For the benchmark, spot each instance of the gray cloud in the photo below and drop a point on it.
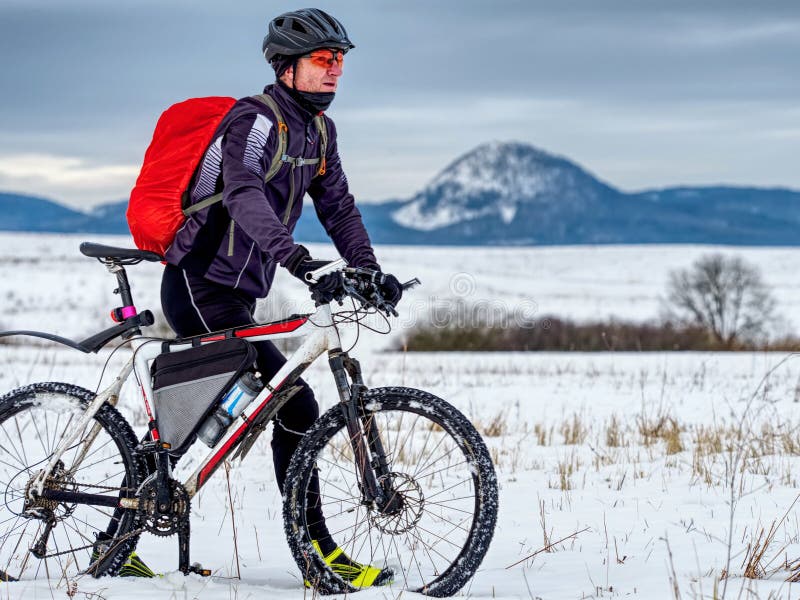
(643, 93)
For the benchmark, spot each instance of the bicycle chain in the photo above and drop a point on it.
(117, 542)
(105, 487)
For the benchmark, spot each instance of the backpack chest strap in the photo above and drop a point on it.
(299, 161)
(280, 155)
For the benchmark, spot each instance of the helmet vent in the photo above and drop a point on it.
(279, 22)
(330, 21)
(298, 26)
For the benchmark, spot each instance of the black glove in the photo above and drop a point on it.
(299, 264)
(391, 289)
(327, 288)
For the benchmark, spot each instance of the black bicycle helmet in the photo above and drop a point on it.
(301, 31)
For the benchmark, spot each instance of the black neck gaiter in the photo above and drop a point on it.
(313, 102)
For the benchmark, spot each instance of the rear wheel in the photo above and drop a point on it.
(435, 538)
(41, 538)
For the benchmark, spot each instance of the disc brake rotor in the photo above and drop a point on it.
(412, 506)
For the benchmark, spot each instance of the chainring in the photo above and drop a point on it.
(163, 523)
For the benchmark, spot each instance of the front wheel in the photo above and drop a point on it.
(42, 538)
(435, 538)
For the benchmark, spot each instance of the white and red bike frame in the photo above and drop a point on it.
(321, 335)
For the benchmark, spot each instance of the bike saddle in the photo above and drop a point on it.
(109, 252)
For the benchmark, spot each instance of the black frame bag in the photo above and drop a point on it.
(188, 385)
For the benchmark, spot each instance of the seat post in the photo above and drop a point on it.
(123, 289)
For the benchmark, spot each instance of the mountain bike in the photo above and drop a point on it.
(404, 480)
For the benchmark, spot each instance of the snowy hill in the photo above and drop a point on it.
(513, 193)
(502, 181)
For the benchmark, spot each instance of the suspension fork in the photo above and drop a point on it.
(365, 440)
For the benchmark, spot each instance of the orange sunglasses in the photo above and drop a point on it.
(325, 58)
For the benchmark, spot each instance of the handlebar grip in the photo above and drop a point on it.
(324, 269)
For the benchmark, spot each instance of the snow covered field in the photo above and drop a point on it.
(624, 475)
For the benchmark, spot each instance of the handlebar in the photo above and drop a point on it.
(364, 285)
(360, 284)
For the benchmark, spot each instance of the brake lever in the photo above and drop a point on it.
(351, 291)
(375, 299)
(411, 283)
(385, 307)
(389, 309)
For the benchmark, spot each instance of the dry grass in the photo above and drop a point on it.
(574, 430)
(495, 427)
(543, 434)
(615, 435)
(672, 437)
(565, 469)
(753, 563)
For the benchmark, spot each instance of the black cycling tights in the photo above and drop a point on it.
(194, 306)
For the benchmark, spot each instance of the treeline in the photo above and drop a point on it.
(556, 334)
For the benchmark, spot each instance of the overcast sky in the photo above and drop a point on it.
(641, 93)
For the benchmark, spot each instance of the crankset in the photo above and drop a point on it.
(156, 518)
(168, 518)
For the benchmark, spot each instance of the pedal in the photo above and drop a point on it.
(198, 569)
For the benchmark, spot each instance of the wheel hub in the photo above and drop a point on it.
(36, 507)
(405, 513)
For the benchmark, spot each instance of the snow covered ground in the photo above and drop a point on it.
(624, 475)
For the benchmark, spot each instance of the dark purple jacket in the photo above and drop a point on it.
(238, 242)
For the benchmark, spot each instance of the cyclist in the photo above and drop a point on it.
(224, 257)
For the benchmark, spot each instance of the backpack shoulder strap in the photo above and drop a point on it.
(283, 131)
(274, 166)
(319, 121)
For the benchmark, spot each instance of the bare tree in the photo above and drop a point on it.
(723, 294)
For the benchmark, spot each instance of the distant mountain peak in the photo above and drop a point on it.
(493, 180)
(497, 166)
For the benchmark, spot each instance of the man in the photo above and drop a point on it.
(225, 255)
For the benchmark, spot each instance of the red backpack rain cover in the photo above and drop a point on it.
(182, 135)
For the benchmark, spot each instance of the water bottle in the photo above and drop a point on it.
(243, 392)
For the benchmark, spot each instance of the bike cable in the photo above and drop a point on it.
(114, 351)
(358, 316)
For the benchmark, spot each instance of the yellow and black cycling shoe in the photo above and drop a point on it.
(134, 567)
(354, 573)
